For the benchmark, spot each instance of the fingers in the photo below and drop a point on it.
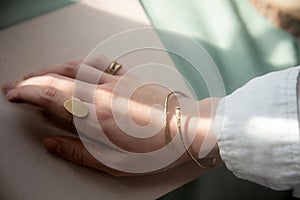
(74, 70)
(80, 89)
(52, 80)
(92, 75)
(91, 71)
(47, 97)
(72, 149)
(59, 82)
(51, 91)
(68, 69)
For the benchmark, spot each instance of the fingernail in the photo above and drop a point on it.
(52, 145)
(7, 86)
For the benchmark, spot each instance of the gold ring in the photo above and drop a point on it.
(113, 68)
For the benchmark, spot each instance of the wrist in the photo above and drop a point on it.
(196, 127)
(205, 143)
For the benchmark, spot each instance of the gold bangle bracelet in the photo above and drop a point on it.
(166, 121)
(178, 117)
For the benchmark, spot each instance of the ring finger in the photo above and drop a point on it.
(92, 70)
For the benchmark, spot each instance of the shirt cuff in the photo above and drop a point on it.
(258, 131)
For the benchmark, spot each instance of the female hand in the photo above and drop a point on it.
(133, 124)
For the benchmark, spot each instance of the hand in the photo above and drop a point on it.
(51, 87)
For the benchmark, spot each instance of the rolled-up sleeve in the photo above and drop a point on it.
(257, 127)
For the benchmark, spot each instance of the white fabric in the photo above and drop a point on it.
(259, 137)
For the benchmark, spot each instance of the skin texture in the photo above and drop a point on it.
(50, 87)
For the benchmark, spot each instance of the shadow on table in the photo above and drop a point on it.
(222, 184)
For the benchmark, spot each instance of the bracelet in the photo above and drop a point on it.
(166, 121)
(178, 117)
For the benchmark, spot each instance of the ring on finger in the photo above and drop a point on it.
(113, 68)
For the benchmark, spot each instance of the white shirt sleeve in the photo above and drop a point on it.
(257, 127)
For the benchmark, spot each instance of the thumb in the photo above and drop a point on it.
(72, 149)
(69, 148)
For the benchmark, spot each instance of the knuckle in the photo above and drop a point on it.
(49, 93)
(52, 79)
(71, 66)
(77, 154)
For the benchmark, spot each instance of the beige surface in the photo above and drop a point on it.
(27, 171)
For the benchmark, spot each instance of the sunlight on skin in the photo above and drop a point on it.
(56, 81)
